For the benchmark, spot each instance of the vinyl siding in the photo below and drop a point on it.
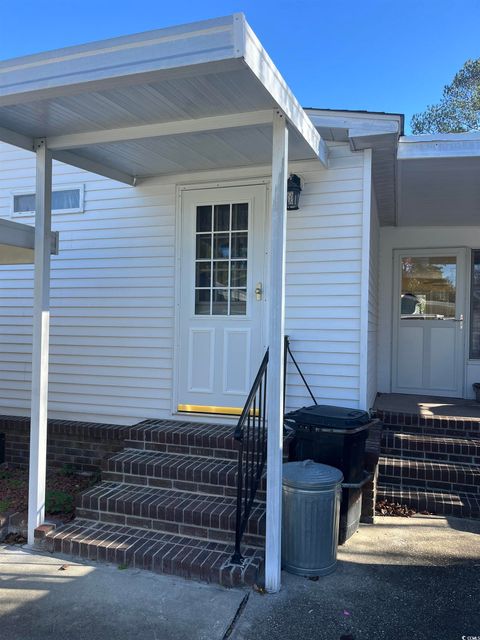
(113, 291)
(324, 251)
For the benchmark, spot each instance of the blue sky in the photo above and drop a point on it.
(377, 55)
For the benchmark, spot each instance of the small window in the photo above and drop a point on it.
(65, 200)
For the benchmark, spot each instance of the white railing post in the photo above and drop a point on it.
(276, 297)
(41, 322)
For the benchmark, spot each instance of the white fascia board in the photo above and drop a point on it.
(260, 63)
(114, 61)
(356, 126)
(16, 139)
(447, 145)
(73, 159)
(177, 127)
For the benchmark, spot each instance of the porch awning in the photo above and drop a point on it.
(187, 98)
(17, 243)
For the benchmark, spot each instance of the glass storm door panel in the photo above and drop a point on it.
(221, 333)
(429, 318)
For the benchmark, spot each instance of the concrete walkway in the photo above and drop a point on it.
(39, 601)
(405, 579)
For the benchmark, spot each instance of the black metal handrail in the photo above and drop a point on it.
(251, 433)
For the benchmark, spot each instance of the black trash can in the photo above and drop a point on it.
(335, 436)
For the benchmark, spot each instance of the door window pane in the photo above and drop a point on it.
(220, 302)
(203, 274)
(222, 217)
(220, 273)
(202, 302)
(428, 288)
(204, 246)
(240, 217)
(239, 273)
(238, 302)
(221, 259)
(239, 245)
(204, 218)
(221, 245)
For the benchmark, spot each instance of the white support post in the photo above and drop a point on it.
(41, 322)
(278, 234)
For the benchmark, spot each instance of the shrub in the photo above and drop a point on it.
(58, 502)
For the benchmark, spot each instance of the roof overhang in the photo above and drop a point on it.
(17, 243)
(366, 130)
(439, 180)
(187, 98)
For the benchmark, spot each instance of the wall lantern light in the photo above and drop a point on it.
(293, 192)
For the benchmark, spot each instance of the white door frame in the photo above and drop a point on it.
(462, 254)
(180, 190)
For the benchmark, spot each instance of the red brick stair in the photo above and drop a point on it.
(179, 512)
(431, 463)
(167, 503)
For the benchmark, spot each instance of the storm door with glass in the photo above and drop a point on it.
(221, 304)
(429, 310)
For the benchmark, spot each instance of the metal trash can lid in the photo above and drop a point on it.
(308, 474)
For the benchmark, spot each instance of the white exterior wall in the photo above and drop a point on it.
(113, 291)
(323, 291)
(392, 238)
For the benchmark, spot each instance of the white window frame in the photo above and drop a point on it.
(62, 187)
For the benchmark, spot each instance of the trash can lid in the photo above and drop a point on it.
(308, 474)
(326, 417)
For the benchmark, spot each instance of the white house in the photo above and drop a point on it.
(178, 264)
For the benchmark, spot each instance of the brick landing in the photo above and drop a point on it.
(167, 503)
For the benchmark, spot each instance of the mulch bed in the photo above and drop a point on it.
(62, 487)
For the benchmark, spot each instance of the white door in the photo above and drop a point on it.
(221, 329)
(429, 309)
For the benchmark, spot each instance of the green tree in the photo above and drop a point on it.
(459, 109)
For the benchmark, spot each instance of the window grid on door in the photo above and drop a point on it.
(221, 259)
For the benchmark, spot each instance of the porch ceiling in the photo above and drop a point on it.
(188, 98)
(439, 180)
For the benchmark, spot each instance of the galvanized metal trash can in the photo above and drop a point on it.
(311, 512)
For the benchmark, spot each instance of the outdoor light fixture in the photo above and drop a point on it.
(293, 192)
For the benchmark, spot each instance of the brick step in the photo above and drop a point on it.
(434, 476)
(156, 551)
(172, 471)
(437, 426)
(177, 512)
(430, 447)
(441, 503)
(187, 438)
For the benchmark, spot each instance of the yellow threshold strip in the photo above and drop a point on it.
(198, 408)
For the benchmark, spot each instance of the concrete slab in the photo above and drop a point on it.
(90, 601)
(403, 579)
(428, 406)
